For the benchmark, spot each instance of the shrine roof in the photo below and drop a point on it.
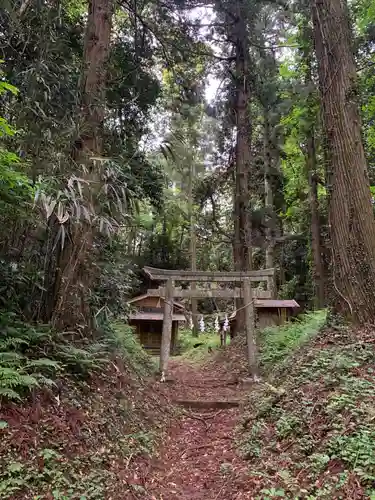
(139, 298)
(153, 316)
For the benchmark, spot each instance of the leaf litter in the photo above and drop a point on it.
(198, 458)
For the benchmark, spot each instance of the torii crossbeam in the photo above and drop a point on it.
(169, 292)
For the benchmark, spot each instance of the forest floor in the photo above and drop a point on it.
(307, 431)
(198, 458)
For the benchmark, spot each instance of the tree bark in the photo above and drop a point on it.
(193, 247)
(316, 248)
(242, 227)
(311, 175)
(268, 202)
(167, 327)
(351, 219)
(76, 270)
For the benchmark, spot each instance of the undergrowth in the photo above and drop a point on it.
(310, 432)
(277, 342)
(34, 356)
(73, 415)
(122, 340)
(24, 364)
(196, 349)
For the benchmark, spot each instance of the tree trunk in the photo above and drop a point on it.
(351, 218)
(268, 202)
(252, 357)
(193, 247)
(76, 270)
(316, 248)
(312, 175)
(242, 231)
(166, 337)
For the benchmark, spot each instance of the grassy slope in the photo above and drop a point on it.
(207, 343)
(75, 441)
(310, 433)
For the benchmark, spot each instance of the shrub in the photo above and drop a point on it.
(121, 339)
(23, 364)
(277, 343)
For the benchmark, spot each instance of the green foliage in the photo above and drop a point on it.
(23, 367)
(141, 201)
(15, 187)
(164, 246)
(319, 419)
(59, 481)
(122, 340)
(109, 418)
(42, 180)
(356, 451)
(82, 361)
(277, 343)
(117, 279)
(32, 357)
(272, 493)
(288, 425)
(206, 343)
(92, 402)
(61, 484)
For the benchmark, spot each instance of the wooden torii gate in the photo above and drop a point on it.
(170, 292)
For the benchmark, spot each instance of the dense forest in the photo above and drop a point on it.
(178, 134)
(183, 135)
(213, 136)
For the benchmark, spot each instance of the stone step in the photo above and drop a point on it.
(207, 404)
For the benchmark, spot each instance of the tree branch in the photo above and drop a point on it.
(163, 43)
(216, 222)
(23, 7)
(289, 237)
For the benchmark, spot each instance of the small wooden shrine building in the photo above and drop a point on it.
(269, 312)
(147, 317)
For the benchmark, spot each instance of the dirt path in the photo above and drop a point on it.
(198, 460)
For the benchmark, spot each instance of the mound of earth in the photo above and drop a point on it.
(310, 433)
(80, 442)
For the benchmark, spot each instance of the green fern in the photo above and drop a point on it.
(42, 363)
(12, 342)
(82, 360)
(31, 357)
(12, 378)
(9, 377)
(13, 383)
(18, 334)
(28, 382)
(43, 380)
(6, 392)
(21, 368)
(9, 358)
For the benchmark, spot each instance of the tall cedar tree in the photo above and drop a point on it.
(76, 275)
(312, 175)
(351, 218)
(242, 229)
